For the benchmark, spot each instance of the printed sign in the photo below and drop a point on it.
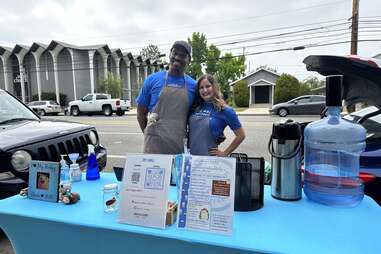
(207, 194)
(144, 193)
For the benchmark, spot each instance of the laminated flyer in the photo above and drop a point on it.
(144, 192)
(207, 194)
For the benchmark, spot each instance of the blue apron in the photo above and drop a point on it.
(166, 124)
(201, 139)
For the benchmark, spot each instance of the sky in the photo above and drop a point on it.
(263, 30)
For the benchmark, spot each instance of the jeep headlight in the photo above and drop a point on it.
(20, 160)
(93, 138)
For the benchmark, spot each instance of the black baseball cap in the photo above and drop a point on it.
(185, 45)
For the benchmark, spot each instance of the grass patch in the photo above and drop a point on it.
(239, 109)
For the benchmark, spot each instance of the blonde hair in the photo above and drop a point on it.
(217, 100)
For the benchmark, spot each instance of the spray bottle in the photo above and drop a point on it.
(65, 174)
(92, 172)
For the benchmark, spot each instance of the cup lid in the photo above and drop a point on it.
(110, 186)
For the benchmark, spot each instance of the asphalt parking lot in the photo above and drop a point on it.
(121, 135)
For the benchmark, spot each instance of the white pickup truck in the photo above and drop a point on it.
(98, 103)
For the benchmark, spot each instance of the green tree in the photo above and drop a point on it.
(241, 94)
(229, 68)
(111, 85)
(304, 89)
(286, 88)
(311, 83)
(199, 54)
(212, 59)
(151, 51)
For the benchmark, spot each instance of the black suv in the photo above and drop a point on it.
(25, 136)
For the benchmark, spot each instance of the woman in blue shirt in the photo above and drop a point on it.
(209, 117)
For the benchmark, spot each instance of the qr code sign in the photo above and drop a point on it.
(154, 178)
(135, 177)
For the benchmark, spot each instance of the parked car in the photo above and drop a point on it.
(303, 105)
(25, 136)
(98, 103)
(361, 83)
(45, 107)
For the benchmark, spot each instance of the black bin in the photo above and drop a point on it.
(249, 183)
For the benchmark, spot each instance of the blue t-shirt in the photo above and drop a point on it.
(154, 83)
(218, 120)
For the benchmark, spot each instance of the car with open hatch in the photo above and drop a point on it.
(361, 84)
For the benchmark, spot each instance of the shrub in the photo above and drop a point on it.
(241, 94)
(287, 87)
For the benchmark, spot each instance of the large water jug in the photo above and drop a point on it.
(332, 154)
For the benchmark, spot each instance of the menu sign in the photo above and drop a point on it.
(207, 194)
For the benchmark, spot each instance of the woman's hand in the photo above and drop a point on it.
(216, 152)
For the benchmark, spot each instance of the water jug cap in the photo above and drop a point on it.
(286, 130)
(333, 86)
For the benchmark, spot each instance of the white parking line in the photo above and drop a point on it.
(116, 156)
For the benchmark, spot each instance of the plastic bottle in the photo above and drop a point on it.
(92, 172)
(65, 171)
(332, 154)
(75, 171)
(110, 198)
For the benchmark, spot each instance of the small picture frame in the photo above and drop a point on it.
(44, 178)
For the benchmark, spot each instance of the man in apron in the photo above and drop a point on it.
(164, 103)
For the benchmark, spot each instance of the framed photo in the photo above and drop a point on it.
(44, 178)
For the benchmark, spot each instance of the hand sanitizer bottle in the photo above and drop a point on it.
(65, 174)
(75, 171)
(92, 172)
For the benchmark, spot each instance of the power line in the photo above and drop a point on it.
(254, 32)
(259, 52)
(273, 29)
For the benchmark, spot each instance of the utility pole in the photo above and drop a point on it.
(355, 26)
(354, 38)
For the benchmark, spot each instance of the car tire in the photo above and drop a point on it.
(107, 111)
(75, 111)
(120, 112)
(41, 112)
(282, 112)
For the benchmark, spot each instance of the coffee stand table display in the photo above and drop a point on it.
(35, 226)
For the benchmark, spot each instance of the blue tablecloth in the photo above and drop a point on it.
(279, 227)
